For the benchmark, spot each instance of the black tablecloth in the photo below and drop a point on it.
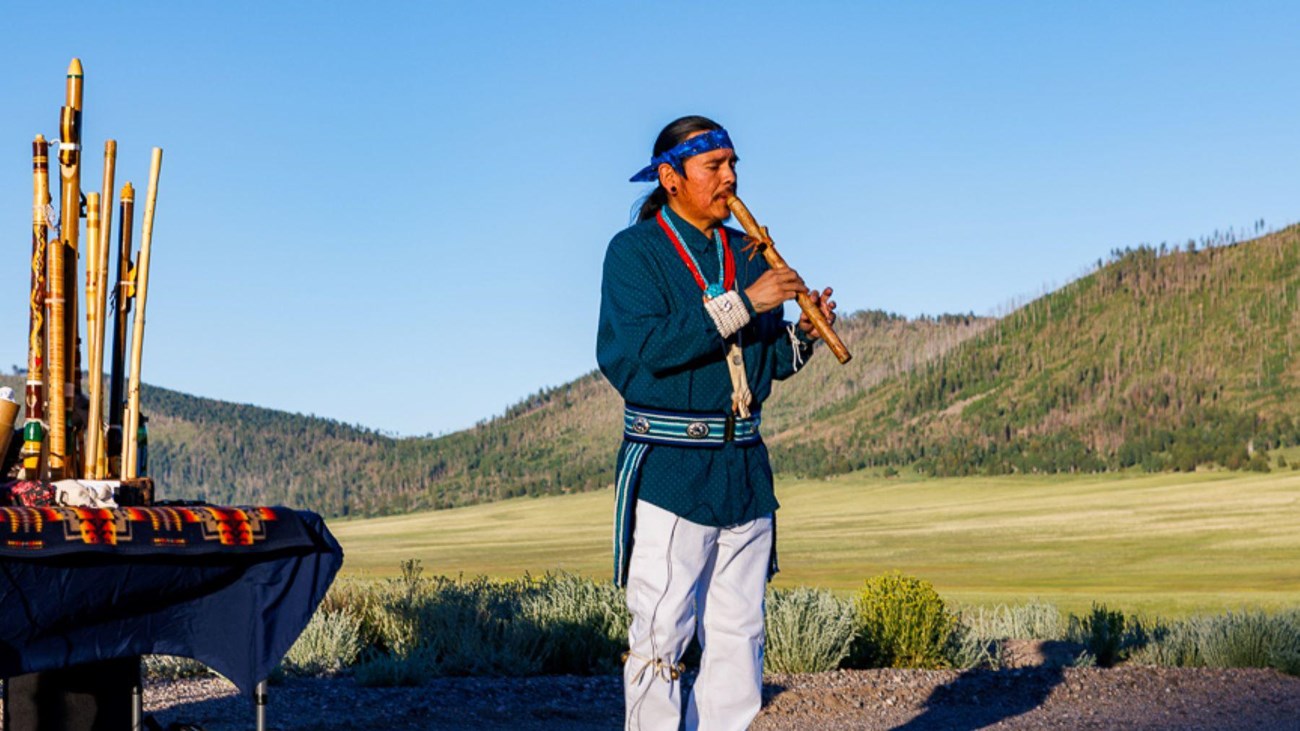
(230, 587)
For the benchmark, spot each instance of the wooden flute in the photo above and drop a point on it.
(131, 438)
(33, 427)
(758, 238)
(64, 436)
(117, 368)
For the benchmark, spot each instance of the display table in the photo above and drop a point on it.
(230, 587)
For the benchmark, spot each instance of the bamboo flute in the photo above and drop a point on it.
(759, 238)
(125, 294)
(69, 233)
(132, 426)
(92, 280)
(56, 322)
(96, 308)
(33, 430)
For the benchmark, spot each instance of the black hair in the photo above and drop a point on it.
(671, 136)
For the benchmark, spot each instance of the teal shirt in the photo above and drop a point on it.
(660, 349)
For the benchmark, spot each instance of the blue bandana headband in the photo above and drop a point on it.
(714, 139)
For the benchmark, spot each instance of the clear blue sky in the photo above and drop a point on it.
(394, 214)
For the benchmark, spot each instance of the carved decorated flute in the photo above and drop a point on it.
(758, 238)
(33, 427)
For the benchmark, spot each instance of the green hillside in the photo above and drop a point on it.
(559, 440)
(1159, 359)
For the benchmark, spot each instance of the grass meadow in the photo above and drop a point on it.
(1168, 544)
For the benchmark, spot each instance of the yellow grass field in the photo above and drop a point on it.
(1171, 544)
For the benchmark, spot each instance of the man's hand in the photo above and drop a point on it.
(822, 300)
(774, 287)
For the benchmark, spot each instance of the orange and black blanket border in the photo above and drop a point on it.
(47, 531)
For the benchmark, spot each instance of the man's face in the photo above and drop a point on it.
(702, 193)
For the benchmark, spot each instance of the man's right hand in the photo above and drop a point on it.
(774, 287)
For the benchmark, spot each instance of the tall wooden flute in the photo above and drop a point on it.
(56, 324)
(33, 429)
(92, 278)
(96, 314)
(758, 237)
(117, 372)
(62, 440)
(130, 467)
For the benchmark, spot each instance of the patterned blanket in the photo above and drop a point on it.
(46, 531)
(230, 587)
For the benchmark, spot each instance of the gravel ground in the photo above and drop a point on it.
(905, 700)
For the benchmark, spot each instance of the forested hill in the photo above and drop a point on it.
(1160, 359)
(561, 439)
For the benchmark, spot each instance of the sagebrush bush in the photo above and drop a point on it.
(405, 630)
(1171, 645)
(1248, 640)
(808, 630)
(170, 667)
(427, 627)
(1232, 640)
(981, 633)
(582, 623)
(1032, 620)
(330, 643)
(967, 649)
(465, 628)
(388, 671)
(902, 622)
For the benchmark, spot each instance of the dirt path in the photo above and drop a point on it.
(1124, 698)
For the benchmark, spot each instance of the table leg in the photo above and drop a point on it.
(137, 705)
(259, 700)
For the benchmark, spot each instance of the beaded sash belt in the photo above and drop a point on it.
(684, 429)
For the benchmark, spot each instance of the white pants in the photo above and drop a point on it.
(687, 578)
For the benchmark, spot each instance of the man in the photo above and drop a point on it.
(691, 334)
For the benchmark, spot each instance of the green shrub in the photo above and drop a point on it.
(967, 649)
(1102, 633)
(1248, 640)
(808, 630)
(330, 643)
(467, 628)
(387, 671)
(1232, 640)
(901, 622)
(170, 667)
(1259, 463)
(1171, 645)
(582, 624)
(405, 630)
(418, 627)
(1033, 620)
(980, 632)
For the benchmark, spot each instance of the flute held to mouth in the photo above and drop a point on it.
(759, 239)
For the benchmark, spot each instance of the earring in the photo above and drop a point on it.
(673, 190)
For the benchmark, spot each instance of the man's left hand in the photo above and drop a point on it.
(822, 300)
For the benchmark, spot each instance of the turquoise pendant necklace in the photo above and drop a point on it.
(725, 277)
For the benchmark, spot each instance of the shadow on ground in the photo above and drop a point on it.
(979, 698)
